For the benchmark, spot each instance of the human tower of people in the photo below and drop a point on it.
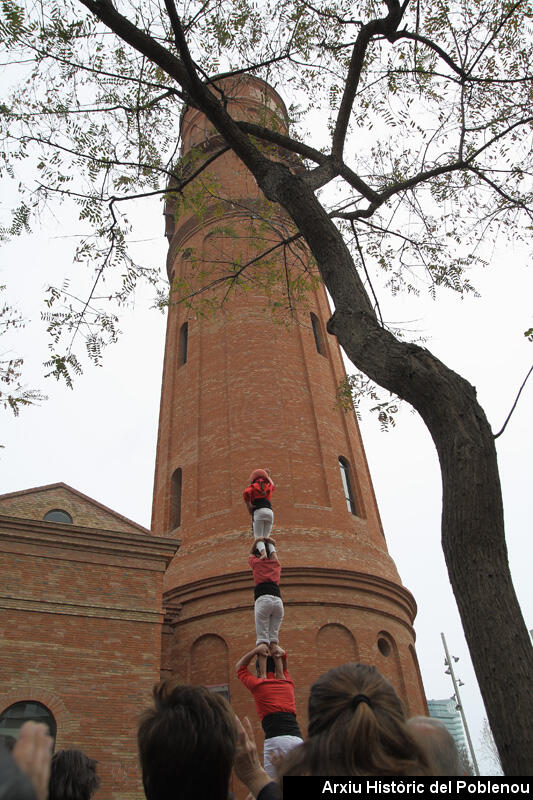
(190, 740)
(272, 687)
(349, 707)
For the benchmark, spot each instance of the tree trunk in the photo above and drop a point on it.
(473, 536)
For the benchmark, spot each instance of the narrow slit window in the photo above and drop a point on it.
(175, 500)
(170, 222)
(183, 344)
(317, 333)
(347, 485)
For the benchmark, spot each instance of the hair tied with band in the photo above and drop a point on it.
(360, 698)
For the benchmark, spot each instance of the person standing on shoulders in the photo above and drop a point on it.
(268, 605)
(258, 496)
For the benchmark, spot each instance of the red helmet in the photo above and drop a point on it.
(258, 473)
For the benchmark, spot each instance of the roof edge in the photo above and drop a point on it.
(62, 485)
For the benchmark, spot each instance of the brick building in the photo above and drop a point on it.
(103, 604)
(80, 625)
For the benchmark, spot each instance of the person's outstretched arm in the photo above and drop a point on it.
(241, 667)
(259, 650)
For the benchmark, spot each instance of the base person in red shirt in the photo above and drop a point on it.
(274, 701)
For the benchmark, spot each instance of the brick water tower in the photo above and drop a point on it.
(248, 382)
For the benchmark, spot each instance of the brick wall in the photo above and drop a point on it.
(81, 614)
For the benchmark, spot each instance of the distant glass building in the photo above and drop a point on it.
(446, 711)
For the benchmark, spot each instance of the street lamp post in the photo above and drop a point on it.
(456, 685)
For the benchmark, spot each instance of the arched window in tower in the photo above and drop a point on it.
(14, 717)
(183, 343)
(175, 499)
(347, 484)
(317, 333)
(207, 650)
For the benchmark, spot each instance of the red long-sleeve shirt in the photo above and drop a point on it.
(254, 491)
(270, 694)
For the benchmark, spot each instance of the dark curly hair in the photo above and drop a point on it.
(72, 776)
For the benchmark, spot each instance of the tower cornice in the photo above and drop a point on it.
(234, 208)
(299, 584)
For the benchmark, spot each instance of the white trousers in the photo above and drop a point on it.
(275, 748)
(262, 524)
(268, 610)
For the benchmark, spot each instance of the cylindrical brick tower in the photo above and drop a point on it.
(249, 382)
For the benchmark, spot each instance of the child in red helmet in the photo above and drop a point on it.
(257, 497)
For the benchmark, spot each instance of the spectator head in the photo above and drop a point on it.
(186, 743)
(356, 727)
(439, 744)
(72, 776)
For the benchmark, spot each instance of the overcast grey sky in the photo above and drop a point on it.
(100, 438)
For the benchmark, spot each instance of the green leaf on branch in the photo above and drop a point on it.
(356, 390)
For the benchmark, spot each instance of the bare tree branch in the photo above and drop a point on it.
(310, 153)
(514, 404)
(105, 162)
(105, 73)
(105, 109)
(418, 38)
(253, 67)
(141, 41)
(401, 186)
(384, 26)
(170, 189)
(181, 42)
(326, 14)
(512, 200)
(363, 262)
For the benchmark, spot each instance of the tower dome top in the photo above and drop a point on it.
(248, 98)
